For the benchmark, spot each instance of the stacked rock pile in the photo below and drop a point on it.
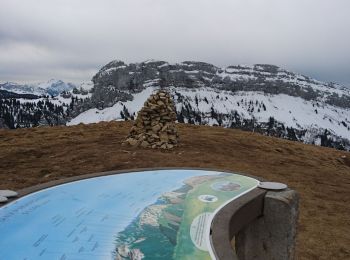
(155, 123)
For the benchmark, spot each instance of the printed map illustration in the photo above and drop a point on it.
(161, 214)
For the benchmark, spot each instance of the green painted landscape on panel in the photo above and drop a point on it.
(176, 225)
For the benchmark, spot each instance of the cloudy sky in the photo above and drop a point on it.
(72, 39)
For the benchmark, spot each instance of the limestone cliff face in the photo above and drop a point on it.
(117, 80)
(260, 98)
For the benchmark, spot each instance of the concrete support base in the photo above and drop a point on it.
(272, 236)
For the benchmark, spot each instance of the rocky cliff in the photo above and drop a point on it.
(261, 98)
(117, 80)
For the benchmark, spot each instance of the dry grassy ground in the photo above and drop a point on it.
(320, 175)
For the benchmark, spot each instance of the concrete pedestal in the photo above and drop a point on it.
(272, 236)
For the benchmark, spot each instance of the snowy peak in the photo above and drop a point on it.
(272, 73)
(52, 87)
(55, 87)
(18, 88)
(262, 98)
(134, 77)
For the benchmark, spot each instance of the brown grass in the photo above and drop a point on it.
(320, 175)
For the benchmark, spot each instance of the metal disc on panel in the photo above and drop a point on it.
(272, 185)
(3, 199)
(8, 193)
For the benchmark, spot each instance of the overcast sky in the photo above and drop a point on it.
(72, 39)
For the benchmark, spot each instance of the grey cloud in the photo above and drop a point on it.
(71, 40)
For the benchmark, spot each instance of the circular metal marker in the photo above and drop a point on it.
(3, 199)
(8, 193)
(272, 185)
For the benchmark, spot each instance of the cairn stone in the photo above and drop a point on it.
(155, 126)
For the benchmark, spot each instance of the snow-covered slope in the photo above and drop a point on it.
(212, 107)
(54, 103)
(262, 98)
(116, 112)
(259, 98)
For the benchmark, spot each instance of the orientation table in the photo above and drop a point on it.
(152, 214)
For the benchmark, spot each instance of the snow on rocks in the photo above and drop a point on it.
(3, 199)
(8, 193)
(155, 124)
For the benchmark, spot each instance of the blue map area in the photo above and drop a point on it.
(86, 219)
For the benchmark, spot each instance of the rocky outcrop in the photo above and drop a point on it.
(125, 253)
(151, 215)
(117, 80)
(155, 124)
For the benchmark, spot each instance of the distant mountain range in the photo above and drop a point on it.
(52, 87)
(260, 98)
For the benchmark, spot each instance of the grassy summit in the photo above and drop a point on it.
(320, 175)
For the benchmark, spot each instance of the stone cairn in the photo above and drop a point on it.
(155, 123)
